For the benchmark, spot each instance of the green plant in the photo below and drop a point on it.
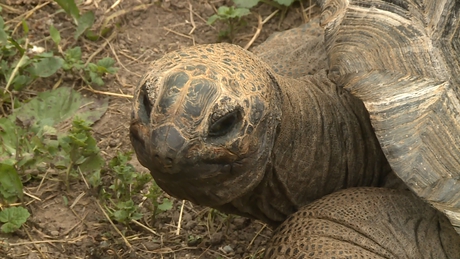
(21, 63)
(154, 195)
(90, 73)
(126, 211)
(127, 180)
(13, 218)
(16, 67)
(35, 136)
(79, 151)
(127, 184)
(232, 17)
(10, 183)
(83, 21)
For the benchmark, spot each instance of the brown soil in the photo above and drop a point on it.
(79, 228)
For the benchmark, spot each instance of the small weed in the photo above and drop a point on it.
(127, 180)
(81, 152)
(21, 63)
(157, 207)
(10, 183)
(13, 218)
(34, 137)
(126, 211)
(127, 184)
(233, 16)
(194, 240)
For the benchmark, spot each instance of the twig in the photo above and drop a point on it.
(83, 177)
(45, 241)
(113, 6)
(77, 199)
(192, 21)
(260, 24)
(180, 218)
(31, 196)
(16, 68)
(28, 14)
(113, 225)
(119, 62)
(145, 227)
(107, 93)
(256, 235)
(34, 243)
(178, 33)
(114, 33)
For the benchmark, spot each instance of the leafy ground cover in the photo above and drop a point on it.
(69, 184)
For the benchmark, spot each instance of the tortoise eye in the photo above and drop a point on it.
(224, 124)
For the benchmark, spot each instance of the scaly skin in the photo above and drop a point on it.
(282, 142)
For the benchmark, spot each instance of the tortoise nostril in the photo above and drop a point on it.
(165, 160)
(169, 161)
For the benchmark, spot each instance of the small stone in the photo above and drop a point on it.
(104, 244)
(216, 238)
(189, 225)
(151, 246)
(227, 249)
(240, 222)
(113, 143)
(54, 233)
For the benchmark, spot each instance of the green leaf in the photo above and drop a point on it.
(17, 46)
(48, 54)
(13, 218)
(95, 78)
(65, 103)
(69, 7)
(285, 2)
(223, 11)
(91, 35)
(73, 53)
(212, 19)
(55, 35)
(47, 66)
(25, 27)
(3, 34)
(10, 182)
(83, 23)
(21, 81)
(246, 3)
(92, 163)
(165, 205)
(106, 62)
(95, 179)
(239, 12)
(9, 137)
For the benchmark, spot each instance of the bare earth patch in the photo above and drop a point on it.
(72, 223)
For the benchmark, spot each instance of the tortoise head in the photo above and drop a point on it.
(204, 122)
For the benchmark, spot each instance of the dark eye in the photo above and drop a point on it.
(224, 124)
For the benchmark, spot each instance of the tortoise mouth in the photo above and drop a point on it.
(207, 184)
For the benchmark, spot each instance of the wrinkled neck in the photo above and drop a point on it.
(325, 143)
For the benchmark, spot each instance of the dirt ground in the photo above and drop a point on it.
(145, 31)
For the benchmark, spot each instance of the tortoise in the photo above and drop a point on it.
(349, 145)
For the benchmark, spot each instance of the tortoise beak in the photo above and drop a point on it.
(169, 142)
(159, 149)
